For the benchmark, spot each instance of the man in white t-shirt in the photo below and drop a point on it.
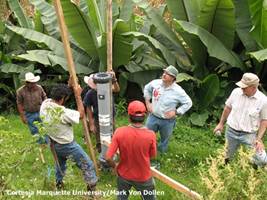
(58, 121)
(246, 114)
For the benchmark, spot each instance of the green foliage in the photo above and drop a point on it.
(258, 9)
(180, 162)
(238, 180)
(199, 119)
(208, 90)
(121, 107)
(20, 15)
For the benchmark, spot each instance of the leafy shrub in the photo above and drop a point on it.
(237, 180)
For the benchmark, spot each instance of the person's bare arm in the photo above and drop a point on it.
(262, 129)
(224, 116)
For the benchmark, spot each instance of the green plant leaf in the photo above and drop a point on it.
(217, 17)
(39, 56)
(122, 47)
(48, 17)
(214, 46)
(157, 46)
(53, 44)
(164, 28)
(208, 90)
(199, 119)
(81, 27)
(185, 77)
(244, 25)
(49, 58)
(126, 9)
(22, 18)
(260, 55)
(185, 10)
(95, 16)
(258, 9)
(11, 68)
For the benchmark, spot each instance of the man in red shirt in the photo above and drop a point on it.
(137, 145)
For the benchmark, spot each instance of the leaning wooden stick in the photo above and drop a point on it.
(74, 81)
(109, 35)
(170, 182)
(174, 184)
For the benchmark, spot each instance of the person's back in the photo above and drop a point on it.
(136, 146)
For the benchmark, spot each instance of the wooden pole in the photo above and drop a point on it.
(170, 182)
(109, 35)
(73, 77)
(174, 184)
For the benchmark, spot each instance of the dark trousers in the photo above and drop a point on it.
(146, 189)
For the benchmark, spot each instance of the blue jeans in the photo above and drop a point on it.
(31, 118)
(235, 139)
(165, 128)
(146, 189)
(75, 152)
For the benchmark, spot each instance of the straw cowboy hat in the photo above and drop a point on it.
(29, 77)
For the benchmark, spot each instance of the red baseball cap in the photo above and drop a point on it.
(137, 108)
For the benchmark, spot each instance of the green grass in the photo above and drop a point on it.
(22, 170)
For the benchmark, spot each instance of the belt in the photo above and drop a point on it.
(158, 117)
(241, 132)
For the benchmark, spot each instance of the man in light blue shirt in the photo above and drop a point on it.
(164, 100)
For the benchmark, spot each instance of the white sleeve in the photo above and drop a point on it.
(70, 116)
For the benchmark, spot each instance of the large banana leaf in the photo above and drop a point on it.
(162, 27)
(95, 16)
(80, 27)
(80, 69)
(244, 25)
(185, 10)
(217, 17)
(49, 58)
(53, 44)
(214, 46)
(209, 88)
(23, 20)
(158, 47)
(49, 17)
(126, 10)
(258, 9)
(12, 68)
(259, 55)
(38, 24)
(39, 56)
(146, 63)
(122, 47)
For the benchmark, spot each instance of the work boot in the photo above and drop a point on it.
(60, 185)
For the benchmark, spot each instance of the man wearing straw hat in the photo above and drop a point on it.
(246, 114)
(29, 99)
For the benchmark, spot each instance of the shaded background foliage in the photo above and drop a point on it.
(211, 42)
